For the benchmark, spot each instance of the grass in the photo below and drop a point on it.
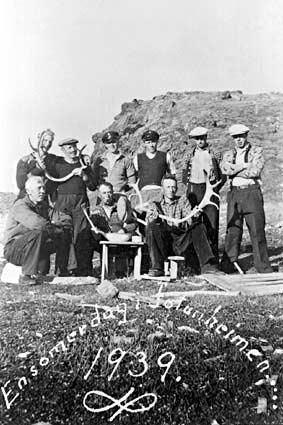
(217, 380)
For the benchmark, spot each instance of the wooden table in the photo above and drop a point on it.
(106, 245)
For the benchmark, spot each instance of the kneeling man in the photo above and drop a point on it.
(29, 236)
(165, 237)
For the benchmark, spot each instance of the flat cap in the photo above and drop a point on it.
(150, 135)
(198, 131)
(110, 137)
(236, 129)
(69, 141)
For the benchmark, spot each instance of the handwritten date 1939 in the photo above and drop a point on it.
(138, 361)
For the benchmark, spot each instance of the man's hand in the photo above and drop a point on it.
(240, 167)
(152, 213)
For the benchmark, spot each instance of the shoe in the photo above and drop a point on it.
(27, 279)
(209, 268)
(228, 268)
(155, 273)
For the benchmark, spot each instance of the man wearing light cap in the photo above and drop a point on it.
(71, 195)
(243, 165)
(200, 162)
(113, 166)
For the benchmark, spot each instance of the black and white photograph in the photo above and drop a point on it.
(141, 212)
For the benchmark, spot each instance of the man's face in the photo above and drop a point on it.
(240, 140)
(201, 141)
(106, 194)
(37, 192)
(169, 188)
(112, 147)
(46, 142)
(70, 151)
(150, 146)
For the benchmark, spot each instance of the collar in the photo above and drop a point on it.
(30, 203)
(173, 202)
(244, 149)
(117, 155)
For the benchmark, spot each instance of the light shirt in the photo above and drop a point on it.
(200, 161)
(240, 159)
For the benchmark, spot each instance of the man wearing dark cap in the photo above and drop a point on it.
(71, 195)
(151, 166)
(199, 163)
(113, 166)
(243, 165)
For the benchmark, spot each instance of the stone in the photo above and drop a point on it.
(11, 273)
(107, 290)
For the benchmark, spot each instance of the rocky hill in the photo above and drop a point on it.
(173, 115)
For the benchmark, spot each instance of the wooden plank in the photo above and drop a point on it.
(256, 279)
(220, 281)
(275, 275)
(160, 278)
(262, 283)
(172, 294)
(74, 280)
(269, 290)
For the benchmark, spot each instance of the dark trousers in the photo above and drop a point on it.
(210, 215)
(163, 241)
(78, 255)
(246, 204)
(31, 251)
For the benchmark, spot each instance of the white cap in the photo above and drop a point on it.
(198, 131)
(236, 129)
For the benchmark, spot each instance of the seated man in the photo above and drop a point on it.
(113, 214)
(30, 237)
(164, 237)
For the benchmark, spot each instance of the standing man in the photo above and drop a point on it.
(30, 237)
(151, 166)
(34, 163)
(113, 166)
(165, 237)
(71, 195)
(243, 165)
(200, 162)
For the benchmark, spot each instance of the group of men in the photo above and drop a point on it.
(49, 214)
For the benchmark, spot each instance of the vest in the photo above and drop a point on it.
(151, 171)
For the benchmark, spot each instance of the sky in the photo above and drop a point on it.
(68, 65)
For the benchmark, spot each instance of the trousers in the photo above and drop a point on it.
(31, 251)
(210, 215)
(247, 204)
(164, 241)
(78, 255)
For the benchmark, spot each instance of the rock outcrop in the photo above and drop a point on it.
(173, 115)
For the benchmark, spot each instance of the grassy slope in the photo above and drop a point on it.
(221, 389)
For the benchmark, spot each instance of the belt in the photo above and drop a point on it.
(244, 186)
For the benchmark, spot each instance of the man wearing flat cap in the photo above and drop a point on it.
(201, 162)
(243, 165)
(151, 166)
(113, 166)
(73, 180)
